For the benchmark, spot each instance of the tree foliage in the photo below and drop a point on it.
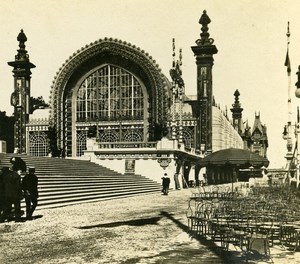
(36, 103)
(7, 130)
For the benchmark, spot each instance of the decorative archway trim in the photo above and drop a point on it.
(158, 85)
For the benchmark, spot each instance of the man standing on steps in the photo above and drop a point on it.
(30, 188)
(19, 165)
(165, 184)
(12, 194)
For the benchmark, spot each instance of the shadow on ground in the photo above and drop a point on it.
(134, 222)
(208, 252)
(21, 219)
(226, 256)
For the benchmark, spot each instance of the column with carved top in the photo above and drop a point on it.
(20, 98)
(204, 59)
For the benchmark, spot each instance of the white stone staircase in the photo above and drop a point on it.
(64, 182)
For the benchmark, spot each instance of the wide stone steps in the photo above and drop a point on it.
(99, 197)
(83, 183)
(67, 191)
(67, 181)
(59, 198)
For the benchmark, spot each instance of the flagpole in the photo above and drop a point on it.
(288, 65)
(287, 134)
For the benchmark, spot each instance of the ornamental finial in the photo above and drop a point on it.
(176, 72)
(236, 95)
(204, 21)
(287, 62)
(22, 51)
(288, 34)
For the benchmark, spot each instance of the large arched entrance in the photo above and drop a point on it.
(113, 86)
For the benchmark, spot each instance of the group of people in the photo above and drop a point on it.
(14, 188)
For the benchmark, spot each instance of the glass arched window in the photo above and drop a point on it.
(110, 93)
(38, 145)
(188, 138)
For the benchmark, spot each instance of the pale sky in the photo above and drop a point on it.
(249, 34)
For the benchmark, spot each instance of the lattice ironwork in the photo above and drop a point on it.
(109, 136)
(110, 93)
(133, 135)
(38, 144)
(81, 142)
(188, 137)
(121, 135)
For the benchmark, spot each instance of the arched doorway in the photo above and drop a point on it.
(114, 86)
(115, 102)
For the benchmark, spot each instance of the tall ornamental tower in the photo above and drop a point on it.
(237, 113)
(204, 59)
(20, 98)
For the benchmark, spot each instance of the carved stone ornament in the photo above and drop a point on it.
(205, 40)
(164, 162)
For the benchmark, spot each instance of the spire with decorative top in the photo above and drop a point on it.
(180, 60)
(173, 53)
(237, 112)
(287, 62)
(176, 72)
(21, 61)
(204, 21)
(236, 107)
(236, 98)
(22, 52)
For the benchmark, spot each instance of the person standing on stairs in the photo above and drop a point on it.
(19, 165)
(12, 194)
(30, 188)
(165, 184)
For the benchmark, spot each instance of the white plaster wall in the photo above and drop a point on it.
(223, 133)
(152, 170)
(148, 168)
(116, 165)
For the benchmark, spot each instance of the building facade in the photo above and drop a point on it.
(111, 101)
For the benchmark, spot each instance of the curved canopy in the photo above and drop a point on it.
(233, 156)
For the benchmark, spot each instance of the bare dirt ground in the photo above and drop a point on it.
(142, 229)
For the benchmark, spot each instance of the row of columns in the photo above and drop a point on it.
(213, 175)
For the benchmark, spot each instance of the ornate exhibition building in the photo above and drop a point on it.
(111, 103)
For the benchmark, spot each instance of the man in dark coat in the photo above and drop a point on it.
(165, 184)
(30, 188)
(19, 164)
(12, 194)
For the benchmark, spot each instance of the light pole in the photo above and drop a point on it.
(287, 133)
